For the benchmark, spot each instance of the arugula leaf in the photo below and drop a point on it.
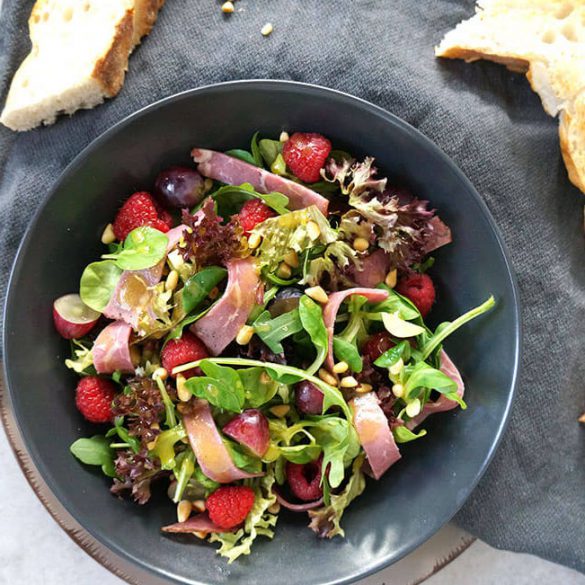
(241, 458)
(122, 432)
(198, 287)
(311, 317)
(256, 151)
(392, 355)
(424, 376)
(230, 198)
(242, 155)
(186, 470)
(273, 331)
(257, 389)
(221, 386)
(98, 282)
(164, 447)
(143, 247)
(346, 351)
(404, 435)
(95, 451)
(170, 419)
(270, 149)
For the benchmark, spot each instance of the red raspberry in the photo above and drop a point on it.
(305, 154)
(94, 398)
(305, 479)
(254, 212)
(177, 352)
(377, 344)
(228, 506)
(141, 209)
(419, 288)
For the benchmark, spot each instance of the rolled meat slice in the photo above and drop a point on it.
(111, 349)
(220, 326)
(210, 451)
(374, 269)
(440, 235)
(233, 171)
(200, 523)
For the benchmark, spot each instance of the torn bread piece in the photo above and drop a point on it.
(79, 56)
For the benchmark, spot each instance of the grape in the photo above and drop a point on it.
(308, 398)
(179, 187)
(286, 300)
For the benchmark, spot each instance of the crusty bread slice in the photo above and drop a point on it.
(546, 40)
(79, 56)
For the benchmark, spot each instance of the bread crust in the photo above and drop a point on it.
(515, 64)
(146, 13)
(572, 169)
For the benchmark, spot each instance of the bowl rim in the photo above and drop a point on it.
(27, 458)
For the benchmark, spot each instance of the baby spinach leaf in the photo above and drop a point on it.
(98, 281)
(273, 331)
(230, 198)
(256, 151)
(270, 149)
(424, 376)
(259, 388)
(392, 355)
(311, 317)
(345, 351)
(242, 155)
(221, 386)
(95, 451)
(143, 248)
(198, 287)
(404, 435)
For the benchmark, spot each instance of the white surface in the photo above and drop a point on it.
(34, 550)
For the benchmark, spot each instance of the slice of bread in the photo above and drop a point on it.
(79, 56)
(546, 40)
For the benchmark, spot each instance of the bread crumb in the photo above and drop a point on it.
(267, 29)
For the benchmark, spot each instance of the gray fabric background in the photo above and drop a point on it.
(532, 498)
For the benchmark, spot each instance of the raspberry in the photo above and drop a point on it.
(140, 209)
(94, 398)
(305, 154)
(305, 479)
(377, 344)
(181, 351)
(228, 506)
(419, 288)
(253, 212)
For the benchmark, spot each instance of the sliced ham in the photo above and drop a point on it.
(233, 171)
(211, 453)
(199, 523)
(297, 507)
(375, 435)
(111, 349)
(374, 269)
(219, 327)
(330, 311)
(440, 235)
(442, 403)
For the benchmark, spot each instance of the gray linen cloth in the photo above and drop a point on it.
(532, 499)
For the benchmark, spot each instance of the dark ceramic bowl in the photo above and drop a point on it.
(435, 476)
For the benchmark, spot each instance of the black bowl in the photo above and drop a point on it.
(435, 476)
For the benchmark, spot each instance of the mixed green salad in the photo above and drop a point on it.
(253, 337)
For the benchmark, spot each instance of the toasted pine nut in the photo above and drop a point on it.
(327, 377)
(150, 446)
(581, 419)
(364, 388)
(398, 390)
(391, 278)
(317, 294)
(340, 368)
(280, 410)
(245, 335)
(200, 534)
(172, 280)
(413, 408)
(184, 509)
(361, 244)
(160, 373)
(348, 382)
(274, 508)
(267, 29)
(183, 394)
(199, 505)
(313, 230)
(284, 271)
(254, 241)
(227, 7)
(108, 236)
(292, 259)
(283, 136)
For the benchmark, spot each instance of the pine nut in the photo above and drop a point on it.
(413, 408)
(274, 508)
(364, 388)
(292, 259)
(313, 230)
(183, 394)
(254, 241)
(160, 373)
(227, 7)
(391, 278)
(340, 368)
(184, 509)
(245, 335)
(361, 244)
(267, 29)
(172, 280)
(398, 390)
(284, 271)
(150, 446)
(348, 382)
(317, 294)
(108, 236)
(199, 505)
(200, 534)
(327, 377)
(280, 410)
(283, 136)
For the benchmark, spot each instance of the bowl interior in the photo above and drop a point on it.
(435, 476)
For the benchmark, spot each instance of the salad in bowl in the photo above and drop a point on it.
(253, 338)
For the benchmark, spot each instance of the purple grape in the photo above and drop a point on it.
(308, 398)
(179, 187)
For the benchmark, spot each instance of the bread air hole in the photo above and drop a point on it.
(46, 16)
(549, 37)
(569, 32)
(86, 7)
(68, 14)
(564, 10)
